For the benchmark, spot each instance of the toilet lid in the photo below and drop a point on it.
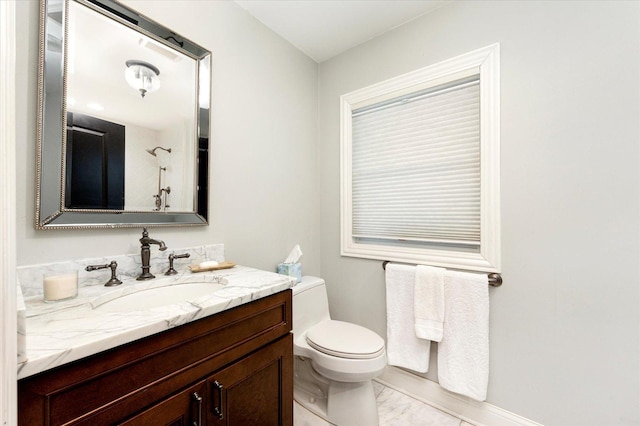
(345, 340)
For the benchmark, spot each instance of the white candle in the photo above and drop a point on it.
(59, 286)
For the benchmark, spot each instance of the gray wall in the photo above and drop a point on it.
(263, 179)
(565, 324)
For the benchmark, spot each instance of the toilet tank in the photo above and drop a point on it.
(310, 304)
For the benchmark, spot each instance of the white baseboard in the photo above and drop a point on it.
(474, 412)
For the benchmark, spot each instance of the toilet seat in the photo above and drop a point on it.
(345, 340)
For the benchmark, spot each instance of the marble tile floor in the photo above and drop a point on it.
(394, 409)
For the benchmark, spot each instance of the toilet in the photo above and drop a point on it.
(334, 361)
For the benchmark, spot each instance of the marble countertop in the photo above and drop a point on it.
(61, 332)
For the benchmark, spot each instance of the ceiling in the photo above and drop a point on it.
(323, 29)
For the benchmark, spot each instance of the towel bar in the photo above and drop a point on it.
(495, 280)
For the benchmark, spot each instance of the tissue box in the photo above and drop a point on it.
(291, 269)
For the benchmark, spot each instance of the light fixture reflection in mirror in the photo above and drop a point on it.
(101, 37)
(142, 76)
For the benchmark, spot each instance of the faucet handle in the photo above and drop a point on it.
(113, 265)
(172, 256)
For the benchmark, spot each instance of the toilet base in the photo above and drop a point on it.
(352, 404)
(340, 403)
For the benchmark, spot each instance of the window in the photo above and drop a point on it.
(420, 166)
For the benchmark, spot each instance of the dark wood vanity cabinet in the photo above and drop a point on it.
(234, 368)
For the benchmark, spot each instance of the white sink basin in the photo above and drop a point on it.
(159, 296)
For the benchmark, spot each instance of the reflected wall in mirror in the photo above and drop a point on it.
(123, 120)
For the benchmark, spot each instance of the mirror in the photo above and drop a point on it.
(123, 125)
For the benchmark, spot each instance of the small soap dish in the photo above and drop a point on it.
(221, 265)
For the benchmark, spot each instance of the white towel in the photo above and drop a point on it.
(463, 354)
(429, 302)
(404, 349)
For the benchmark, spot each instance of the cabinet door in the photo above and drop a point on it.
(255, 391)
(185, 408)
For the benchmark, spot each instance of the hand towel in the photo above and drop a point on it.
(429, 302)
(404, 349)
(463, 354)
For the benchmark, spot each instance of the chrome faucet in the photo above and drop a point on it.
(145, 254)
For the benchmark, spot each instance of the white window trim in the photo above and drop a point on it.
(487, 61)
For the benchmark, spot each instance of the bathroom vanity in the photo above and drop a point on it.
(231, 368)
(221, 359)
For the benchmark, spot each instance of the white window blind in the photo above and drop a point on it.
(420, 165)
(416, 167)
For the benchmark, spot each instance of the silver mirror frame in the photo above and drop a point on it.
(52, 113)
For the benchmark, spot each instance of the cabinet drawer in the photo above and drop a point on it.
(181, 409)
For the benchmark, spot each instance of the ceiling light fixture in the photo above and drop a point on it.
(142, 76)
